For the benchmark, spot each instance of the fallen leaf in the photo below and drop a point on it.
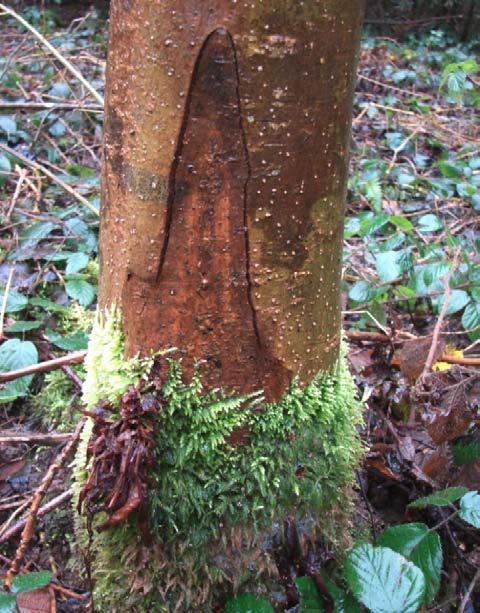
(37, 601)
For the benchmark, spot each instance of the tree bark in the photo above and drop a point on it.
(226, 154)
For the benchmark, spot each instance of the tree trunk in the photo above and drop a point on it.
(226, 153)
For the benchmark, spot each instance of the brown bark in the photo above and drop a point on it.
(226, 153)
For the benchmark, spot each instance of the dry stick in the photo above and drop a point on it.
(70, 67)
(470, 589)
(71, 358)
(53, 106)
(8, 437)
(441, 317)
(29, 529)
(5, 300)
(50, 175)
(46, 508)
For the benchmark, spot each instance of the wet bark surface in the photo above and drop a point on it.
(226, 156)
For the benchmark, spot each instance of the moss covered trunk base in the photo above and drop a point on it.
(226, 469)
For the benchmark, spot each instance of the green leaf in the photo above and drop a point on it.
(48, 305)
(457, 301)
(449, 170)
(73, 342)
(57, 129)
(441, 499)
(420, 546)
(429, 223)
(388, 265)
(310, 601)
(7, 124)
(466, 453)
(76, 262)
(247, 603)
(15, 301)
(470, 509)
(471, 316)
(23, 326)
(15, 354)
(5, 163)
(402, 222)
(361, 291)
(344, 602)
(383, 580)
(31, 581)
(8, 603)
(81, 290)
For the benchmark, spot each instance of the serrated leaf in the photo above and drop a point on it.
(23, 326)
(8, 603)
(310, 601)
(402, 222)
(470, 508)
(76, 262)
(361, 291)
(420, 546)
(441, 499)
(383, 580)
(466, 453)
(80, 290)
(31, 581)
(247, 603)
(72, 342)
(15, 301)
(15, 354)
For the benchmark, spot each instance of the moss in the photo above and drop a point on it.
(55, 404)
(212, 503)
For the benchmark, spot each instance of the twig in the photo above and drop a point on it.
(71, 358)
(31, 519)
(50, 175)
(453, 359)
(400, 148)
(53, 106)
(8, 436)
(471, 587)
(5, 300)
(46, 508)
(441, 317)
(70, 67)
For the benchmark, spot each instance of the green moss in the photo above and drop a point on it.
(211, 502)
(55, 404)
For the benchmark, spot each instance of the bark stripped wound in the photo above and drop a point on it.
(227, 131)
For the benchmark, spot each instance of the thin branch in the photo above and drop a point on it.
(46, 508)
(71, 358)
(70, 67)
(51, 106)
(50, 175)
(471, 587)
(8, 437)
(29, 528)
(5, 300)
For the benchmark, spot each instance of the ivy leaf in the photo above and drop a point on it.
(420, 546)
(8, 603)
(388, 265)
(31, 581)
(81, 290)
(247, 603)
(470, 508)
(441, 499)
(383, 580)
(14, 354)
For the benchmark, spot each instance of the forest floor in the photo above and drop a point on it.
(411, 287)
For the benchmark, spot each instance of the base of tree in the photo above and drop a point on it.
(225, 469)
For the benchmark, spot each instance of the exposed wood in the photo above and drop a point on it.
(226, 153)
(9, 437)
(76, 357)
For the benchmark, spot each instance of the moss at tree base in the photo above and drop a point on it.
(213, 503)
